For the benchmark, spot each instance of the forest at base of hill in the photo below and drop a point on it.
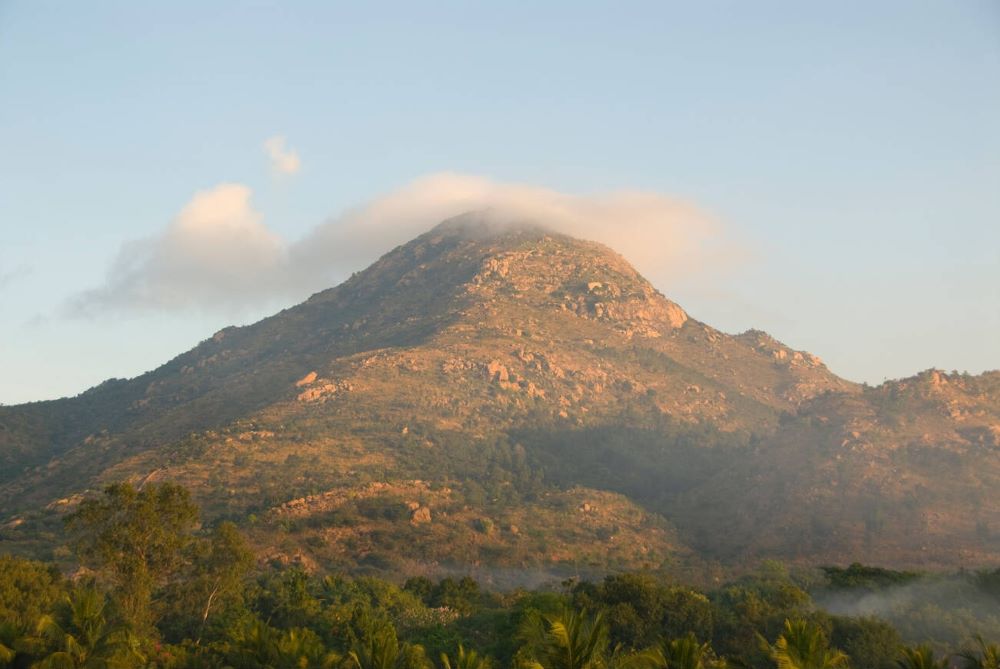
(153, 588)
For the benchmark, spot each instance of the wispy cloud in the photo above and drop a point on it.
(284, 160)
(218, 253)
(7, 277)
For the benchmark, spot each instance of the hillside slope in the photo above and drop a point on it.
(501, 395)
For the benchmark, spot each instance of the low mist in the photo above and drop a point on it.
(945, 610)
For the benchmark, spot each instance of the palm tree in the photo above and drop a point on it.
(988, 656)
(803, 645)
(302, 649)
(569, 640)
(253, 645)
(921, 657)
(89, 640)
(259, 646)
(466, 660)
(9, 635)
(18, 642)
(683, 653)
(378, 648)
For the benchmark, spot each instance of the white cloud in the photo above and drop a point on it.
(662, 236)
(284, 160)
(217, 252)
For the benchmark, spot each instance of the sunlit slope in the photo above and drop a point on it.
(501, 367)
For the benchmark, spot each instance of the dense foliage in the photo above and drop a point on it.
(156, 590)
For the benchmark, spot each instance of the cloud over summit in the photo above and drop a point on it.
(217, 253)
(659, 234)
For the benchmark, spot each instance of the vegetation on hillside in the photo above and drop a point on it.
(155, 588)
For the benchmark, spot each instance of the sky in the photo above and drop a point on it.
(827, 172)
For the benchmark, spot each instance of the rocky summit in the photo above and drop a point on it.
(503, 397)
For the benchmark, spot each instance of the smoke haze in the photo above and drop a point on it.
(944, 610)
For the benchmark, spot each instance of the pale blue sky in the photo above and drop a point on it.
(851, 149)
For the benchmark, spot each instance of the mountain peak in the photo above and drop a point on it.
(484, 259)
(487, 329)
(482, 224)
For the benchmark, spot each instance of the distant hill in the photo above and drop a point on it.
(499, 396)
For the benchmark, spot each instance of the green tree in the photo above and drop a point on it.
(754, 606)
(921, 657)
(288, 599)
(465, 660)
(377, 647)
(462, 595)
(683, 653)
(802, 645)
(869, 642)
(300, 648)
(28, 590)
(420, 586)
(10, 639)
(568, 640)
(860, 577)
(641, 609)
(257, 645)
(253, 645)
(135, 539)
(18, 643)
(88, 638)
(210, 579)
(987, 657)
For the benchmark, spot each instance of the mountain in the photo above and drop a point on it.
(499, 396)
